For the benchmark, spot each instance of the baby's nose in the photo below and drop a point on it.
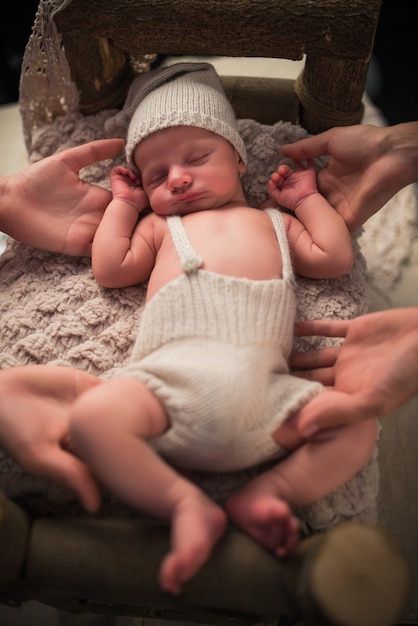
(179, 178)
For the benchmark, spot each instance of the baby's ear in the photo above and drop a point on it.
(242, 168)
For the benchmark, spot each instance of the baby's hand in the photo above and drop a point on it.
(127, 186)
(288, 188)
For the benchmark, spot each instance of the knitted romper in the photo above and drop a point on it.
(214, 349)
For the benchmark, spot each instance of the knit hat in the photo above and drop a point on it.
(183, 94)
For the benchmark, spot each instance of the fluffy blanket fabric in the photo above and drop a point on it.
(52, 311)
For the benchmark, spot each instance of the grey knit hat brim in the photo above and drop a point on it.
(183, 94)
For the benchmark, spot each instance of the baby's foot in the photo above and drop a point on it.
(267, 519)
(197, 526)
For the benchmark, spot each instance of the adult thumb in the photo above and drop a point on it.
(329, 410)
(66, 469)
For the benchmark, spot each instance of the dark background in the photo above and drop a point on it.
(393, 76)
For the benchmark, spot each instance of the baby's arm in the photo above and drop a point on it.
(319, 238)
(120, 255)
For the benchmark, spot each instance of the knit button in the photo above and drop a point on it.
(191, 264)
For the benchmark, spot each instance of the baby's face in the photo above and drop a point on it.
(186, 169)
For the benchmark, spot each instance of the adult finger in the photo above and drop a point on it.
(324, 375)
(314, 359)
(307, 148)
(60, 466)
(328, 410)
(53, 381)
(81, 156)
(322, 328)
(84, 381)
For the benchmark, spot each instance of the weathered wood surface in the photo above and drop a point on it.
(353, 575)
(269, 28)
(337, 38)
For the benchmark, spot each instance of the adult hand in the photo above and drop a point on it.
(34, 413)
(375, 369)
(47, 205)
(367, 166)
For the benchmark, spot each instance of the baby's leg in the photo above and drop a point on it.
(109, 427)
(313, 470)
(197, 525)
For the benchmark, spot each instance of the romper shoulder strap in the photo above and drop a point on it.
(280, 229)
(189, 259)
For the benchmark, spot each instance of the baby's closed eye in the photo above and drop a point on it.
(197, 158)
